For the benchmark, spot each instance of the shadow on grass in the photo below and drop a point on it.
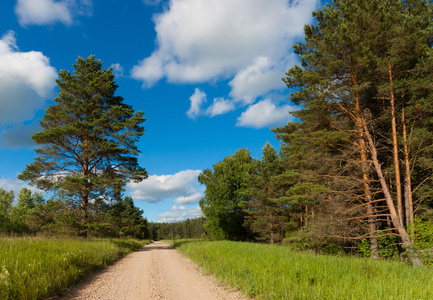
(180, 243)
(127, 244)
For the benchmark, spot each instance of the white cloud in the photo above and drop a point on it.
(159, 187)
(179, 213)
(197, 100)
(149, 68)
(264, 114)
(220, 106)
(117, 69)
(194, 198)
(256, 80)
(26, 80)
(43, 12)
(200, 41)
(16, 186)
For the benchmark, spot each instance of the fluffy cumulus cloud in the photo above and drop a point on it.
(179, 213)
(26, 81)
(197, 99)
(220, 106)
(245, 40)
(117, 69)
(16, 185)
(264, 114)
(194, 198)
(258, 79)
(182, 185)
(43, 12)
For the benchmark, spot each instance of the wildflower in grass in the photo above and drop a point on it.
(4, 275)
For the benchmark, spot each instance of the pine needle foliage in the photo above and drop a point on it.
(88, 143)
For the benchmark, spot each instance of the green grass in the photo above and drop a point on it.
(274, 272)
(35, 268)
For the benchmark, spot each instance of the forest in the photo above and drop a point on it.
(353, 173)
(29, 214)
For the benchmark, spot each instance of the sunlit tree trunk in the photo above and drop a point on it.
(407, 180)
(366, 182)
(388, 198)
(395, 148)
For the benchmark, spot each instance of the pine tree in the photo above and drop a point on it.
(87, 145)
(268, 213)
(359, 59)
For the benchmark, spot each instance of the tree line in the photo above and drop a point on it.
(29, 213)
(356, 167)
(187, 229)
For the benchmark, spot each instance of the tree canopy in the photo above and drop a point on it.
(223, 200)
(88, 143)
(355, 168)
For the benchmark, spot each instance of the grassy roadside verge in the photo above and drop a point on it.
(273, 272)
(34, 268)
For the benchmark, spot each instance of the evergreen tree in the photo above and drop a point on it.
(358, 60)
(123, 219)
(268, 212)
(88, 139)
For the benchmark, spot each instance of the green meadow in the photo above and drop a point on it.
(35, 268)
(275, 272)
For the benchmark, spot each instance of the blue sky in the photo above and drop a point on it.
(206, 74)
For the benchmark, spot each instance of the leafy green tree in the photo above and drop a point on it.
(6, 201)
(88, 139)
(222, 204)
(23, 213)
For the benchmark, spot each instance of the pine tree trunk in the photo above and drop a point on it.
(302, 222)
(306, 216)
(372, 230)
(395, 148)
(312, 216)
(366, 182)
(85, 207)
(407, 178)
(370, 210)
(389, 201)
(85, 217)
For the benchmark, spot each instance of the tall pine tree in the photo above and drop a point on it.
(87, 145)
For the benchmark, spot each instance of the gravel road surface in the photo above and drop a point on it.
(156, 271)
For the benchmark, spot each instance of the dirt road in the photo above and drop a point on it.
(156, 271)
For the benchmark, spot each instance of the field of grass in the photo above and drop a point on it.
(35, 268)
(274, 272)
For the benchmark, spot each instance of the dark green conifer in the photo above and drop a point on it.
(87, 145)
